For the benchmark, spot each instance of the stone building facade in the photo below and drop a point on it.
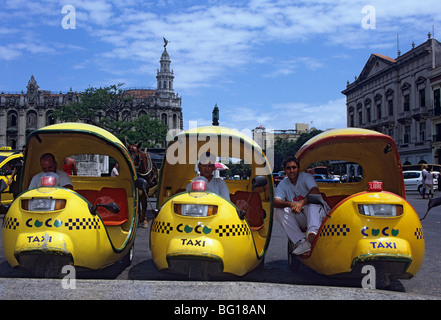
(401, 98)
(21, 113)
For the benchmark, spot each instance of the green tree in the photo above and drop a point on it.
(148, 131)
(284, 148)
(103, 107)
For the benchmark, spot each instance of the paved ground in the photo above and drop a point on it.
(29, 289)
(143, 281)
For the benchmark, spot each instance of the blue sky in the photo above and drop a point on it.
(272, 63)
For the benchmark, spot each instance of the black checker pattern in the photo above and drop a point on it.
(83, 223)
(331, 230)
(232, 230)
(161, 227)
(11, 223)
(419, 234)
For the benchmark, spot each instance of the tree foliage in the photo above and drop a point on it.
(284, 148)
(103, 107)
(145, 130)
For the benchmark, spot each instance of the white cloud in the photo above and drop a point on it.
(9, 53)
(331, 114)
(213, 43)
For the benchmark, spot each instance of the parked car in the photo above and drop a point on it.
(277, 177)
(323, 178)
(413, 180)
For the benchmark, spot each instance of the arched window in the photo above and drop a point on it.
(126, 116)
(175, 121)
(12, 119)
(31, 120)
(164, 118)
(49, 118)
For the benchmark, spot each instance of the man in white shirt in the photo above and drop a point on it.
(49, 164)
(291, 207)
(206, 168)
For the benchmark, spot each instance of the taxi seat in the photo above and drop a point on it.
(255, 214)
(332, 201)
(89, 195)
(117, 195)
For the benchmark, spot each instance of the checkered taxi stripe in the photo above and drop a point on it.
(419, 233)
(161, 227)
(83, 223)
(10, 223)
(331, 230)
(232, 230)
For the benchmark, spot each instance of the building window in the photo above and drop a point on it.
(422, 131)
(406, 105)
(49, 118)
(406, 134)
(438, 132)
(379, 111)
(12, 119)
(32, 120)
(126, 116)
(175, 121)
(437, 102)
(164, 118)
(368, 115)
(390, 107)
(422, 93)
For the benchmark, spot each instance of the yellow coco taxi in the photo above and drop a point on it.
(91, 226)
(370, 222)
(201, 234)
(8, 159)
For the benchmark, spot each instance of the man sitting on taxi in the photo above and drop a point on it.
(292, 209)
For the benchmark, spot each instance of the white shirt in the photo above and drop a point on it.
(64, 179)
(286, 191)
(427, 177)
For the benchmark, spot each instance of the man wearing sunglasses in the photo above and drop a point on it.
(292, 209)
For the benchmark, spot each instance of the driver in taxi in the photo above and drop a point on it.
(49, 164)
(206, 167)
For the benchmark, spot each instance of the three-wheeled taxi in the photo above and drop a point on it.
(199, 233)
(8, 160)
(91, 226)
(370, 222)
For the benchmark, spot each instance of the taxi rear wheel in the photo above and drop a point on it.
(50, 267)
(127, 259)
(382, 277)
